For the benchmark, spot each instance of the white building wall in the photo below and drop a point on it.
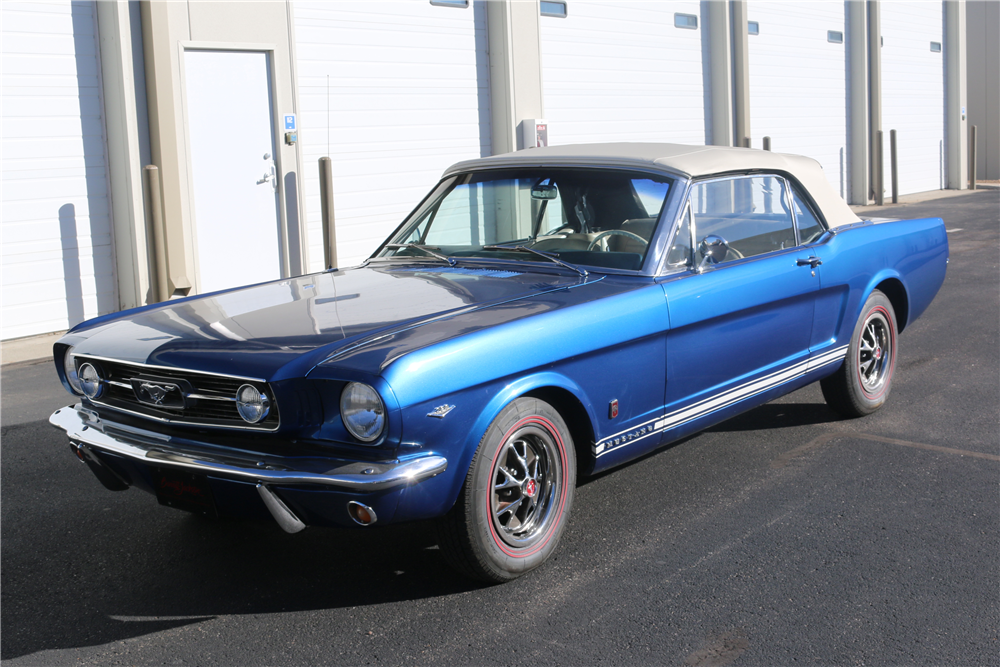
(798, 83)
(57, 247)
(621, 71)
(394, 93)
(913, 93)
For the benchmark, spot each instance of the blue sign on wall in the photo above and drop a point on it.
(289, 121)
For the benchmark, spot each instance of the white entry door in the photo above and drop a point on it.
(231, 133)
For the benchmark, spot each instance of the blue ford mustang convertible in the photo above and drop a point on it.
(540, 315)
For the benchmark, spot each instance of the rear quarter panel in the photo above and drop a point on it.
(860, 258)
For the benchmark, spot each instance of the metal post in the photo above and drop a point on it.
(746, 142)
(894, 165)
(879, 170)
(972, 158)
(155, 207)
(767, 143)
(326, 205)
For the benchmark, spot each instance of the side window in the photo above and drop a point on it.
(749, 212)
(810, 227)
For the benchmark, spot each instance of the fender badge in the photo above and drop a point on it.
(613, 409)
(440, 411)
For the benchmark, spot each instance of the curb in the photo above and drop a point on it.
(32, 349)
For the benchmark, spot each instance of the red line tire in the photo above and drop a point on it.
(517, 496)
(862, 384)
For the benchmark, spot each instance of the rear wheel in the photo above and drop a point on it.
(861, 385)
(516, 498)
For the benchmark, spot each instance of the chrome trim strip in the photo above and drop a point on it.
(203, 397)
(84, 426)
(164, 420)
(719, 401)
(167, 368)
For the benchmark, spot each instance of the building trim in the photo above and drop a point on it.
(515, 56)
(721, 76)
(874, 96)
(955, 96)
(857, 111)
(741, 74)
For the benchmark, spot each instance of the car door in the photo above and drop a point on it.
(740, 326)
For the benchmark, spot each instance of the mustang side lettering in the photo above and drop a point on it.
(542, 314)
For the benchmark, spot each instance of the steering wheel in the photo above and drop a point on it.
(733, 253)
(568, 226)
(617, 232)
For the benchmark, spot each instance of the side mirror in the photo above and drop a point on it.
(713, 250)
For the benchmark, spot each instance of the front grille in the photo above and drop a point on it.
(209, 399)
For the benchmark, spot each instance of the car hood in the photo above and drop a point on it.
(284, 328)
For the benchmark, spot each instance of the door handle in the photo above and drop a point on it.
(813, 261)
(270, 175)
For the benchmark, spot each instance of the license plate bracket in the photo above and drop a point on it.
(184, 491)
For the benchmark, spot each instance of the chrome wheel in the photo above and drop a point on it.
(526, 479)
(874, 352)
(861, 385)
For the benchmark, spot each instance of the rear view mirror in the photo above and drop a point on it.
(544, 191)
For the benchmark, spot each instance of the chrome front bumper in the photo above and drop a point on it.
(84, 427)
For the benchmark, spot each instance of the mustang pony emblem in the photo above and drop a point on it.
(157, 392)
(163, 394)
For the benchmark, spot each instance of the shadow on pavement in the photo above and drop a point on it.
(82, 566)
(778, 415)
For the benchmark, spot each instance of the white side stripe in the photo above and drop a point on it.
(718, 402)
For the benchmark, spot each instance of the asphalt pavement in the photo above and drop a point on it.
(783, 536)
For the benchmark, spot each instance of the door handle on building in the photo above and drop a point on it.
(270, 175)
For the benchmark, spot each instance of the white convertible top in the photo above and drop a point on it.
(690, 161)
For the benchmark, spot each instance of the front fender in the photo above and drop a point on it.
(436, 496)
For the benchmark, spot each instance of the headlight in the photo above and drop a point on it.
(90, 381)
(253, 406)
(362, 411)
(69, 365)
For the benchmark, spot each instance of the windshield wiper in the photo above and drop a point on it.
(521, 248)
(427, 249)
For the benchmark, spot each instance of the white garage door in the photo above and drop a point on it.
(622, 71)
(913, 93)
(57, 257)
(798, 86)
(394, 93)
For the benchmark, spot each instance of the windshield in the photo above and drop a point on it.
(593, 217)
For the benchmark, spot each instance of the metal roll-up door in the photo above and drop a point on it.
(798, 85)
(394, 93)
(623, 71)
(58, 263)
(913, 93)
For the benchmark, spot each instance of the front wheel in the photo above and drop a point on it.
(517, 496)
(861, 385)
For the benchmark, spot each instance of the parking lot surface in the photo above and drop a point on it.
(783, 536)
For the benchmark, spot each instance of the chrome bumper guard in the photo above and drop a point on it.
(84, 427)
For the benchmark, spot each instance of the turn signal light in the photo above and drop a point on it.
(362, 514)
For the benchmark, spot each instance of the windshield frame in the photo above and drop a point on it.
(663, 227)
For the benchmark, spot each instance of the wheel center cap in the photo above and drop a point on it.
(531, 488)
(878, 353)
